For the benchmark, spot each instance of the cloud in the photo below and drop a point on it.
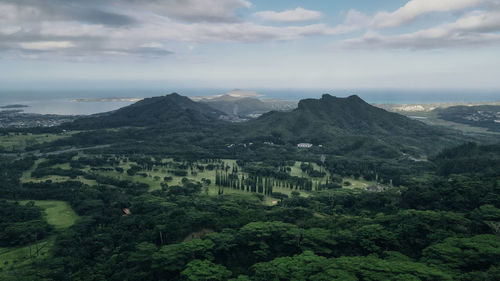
(476, 28)
(97, 29)
(33, 11)
(416, 8)
(192, 10)
(46, 45)
(149, 52)
(297, 15)
(103, 28)
(223, 32)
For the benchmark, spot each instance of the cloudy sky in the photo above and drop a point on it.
(251, 43)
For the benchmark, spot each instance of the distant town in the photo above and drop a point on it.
(16, 118)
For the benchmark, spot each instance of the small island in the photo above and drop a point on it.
(10, 106)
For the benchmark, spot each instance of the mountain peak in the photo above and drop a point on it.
(355, 98)
(329, 102)
(328, 97)
(174, 94)
(169, 109)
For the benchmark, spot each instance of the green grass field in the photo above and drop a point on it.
(57, 213)
(18, 258)
(19, 142)
(359, 183)
(432, 118)
(155, 178)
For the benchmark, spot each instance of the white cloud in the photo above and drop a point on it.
(416, 8)
(479, 21)
(11, 12)
(194, 10)
(46, 45)
(231, 32)
(477, 28)
(8, 30)
(159, 29)
(143, 27)
(152, 45)
(296, 15)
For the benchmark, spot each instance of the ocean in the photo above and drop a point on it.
(62, 101)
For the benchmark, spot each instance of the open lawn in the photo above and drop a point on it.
(12, 259)
(155, 177)
(57, 213)
(15, 142)
(357, 183)
(16, 259)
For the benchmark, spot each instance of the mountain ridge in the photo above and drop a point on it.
(332, 119)
(342, 125)
(155, 111)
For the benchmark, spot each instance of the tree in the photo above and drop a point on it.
(205, 270)
(298, 267)
(467, 254)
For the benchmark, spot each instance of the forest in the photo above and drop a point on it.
(218, 201)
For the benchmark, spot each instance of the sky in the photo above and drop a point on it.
(410, 44)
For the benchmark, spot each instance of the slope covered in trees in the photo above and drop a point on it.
(350, 123)
(159, 203)
(170, 110)
(442, 225)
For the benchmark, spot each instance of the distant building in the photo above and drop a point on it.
(304, 145)
(126, 212)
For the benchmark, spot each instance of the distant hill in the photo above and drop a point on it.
(350, 123)
(486, 116)
(173, 110)
(247, 107)
(340, 125)
(246, 104)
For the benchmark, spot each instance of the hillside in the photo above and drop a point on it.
(485, 116)
(246, 106)
(173, 110)
(238, 106)
(342, 126)
(347, 122)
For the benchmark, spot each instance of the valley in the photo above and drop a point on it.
(165, 186)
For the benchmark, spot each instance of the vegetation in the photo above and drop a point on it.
(173, 203)
(485, 116)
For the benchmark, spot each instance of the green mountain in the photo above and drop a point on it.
(247, 106)
(350, 123)
(338, 126)
(170, 110)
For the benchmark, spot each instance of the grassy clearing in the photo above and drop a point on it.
(18, 142)
(27, 174)
(57, 213)
(16, 259)
(357, 183)
(155, 177)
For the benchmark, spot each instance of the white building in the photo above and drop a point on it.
(304, 145)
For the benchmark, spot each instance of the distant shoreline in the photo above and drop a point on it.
(12, 106)
(426, 107)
